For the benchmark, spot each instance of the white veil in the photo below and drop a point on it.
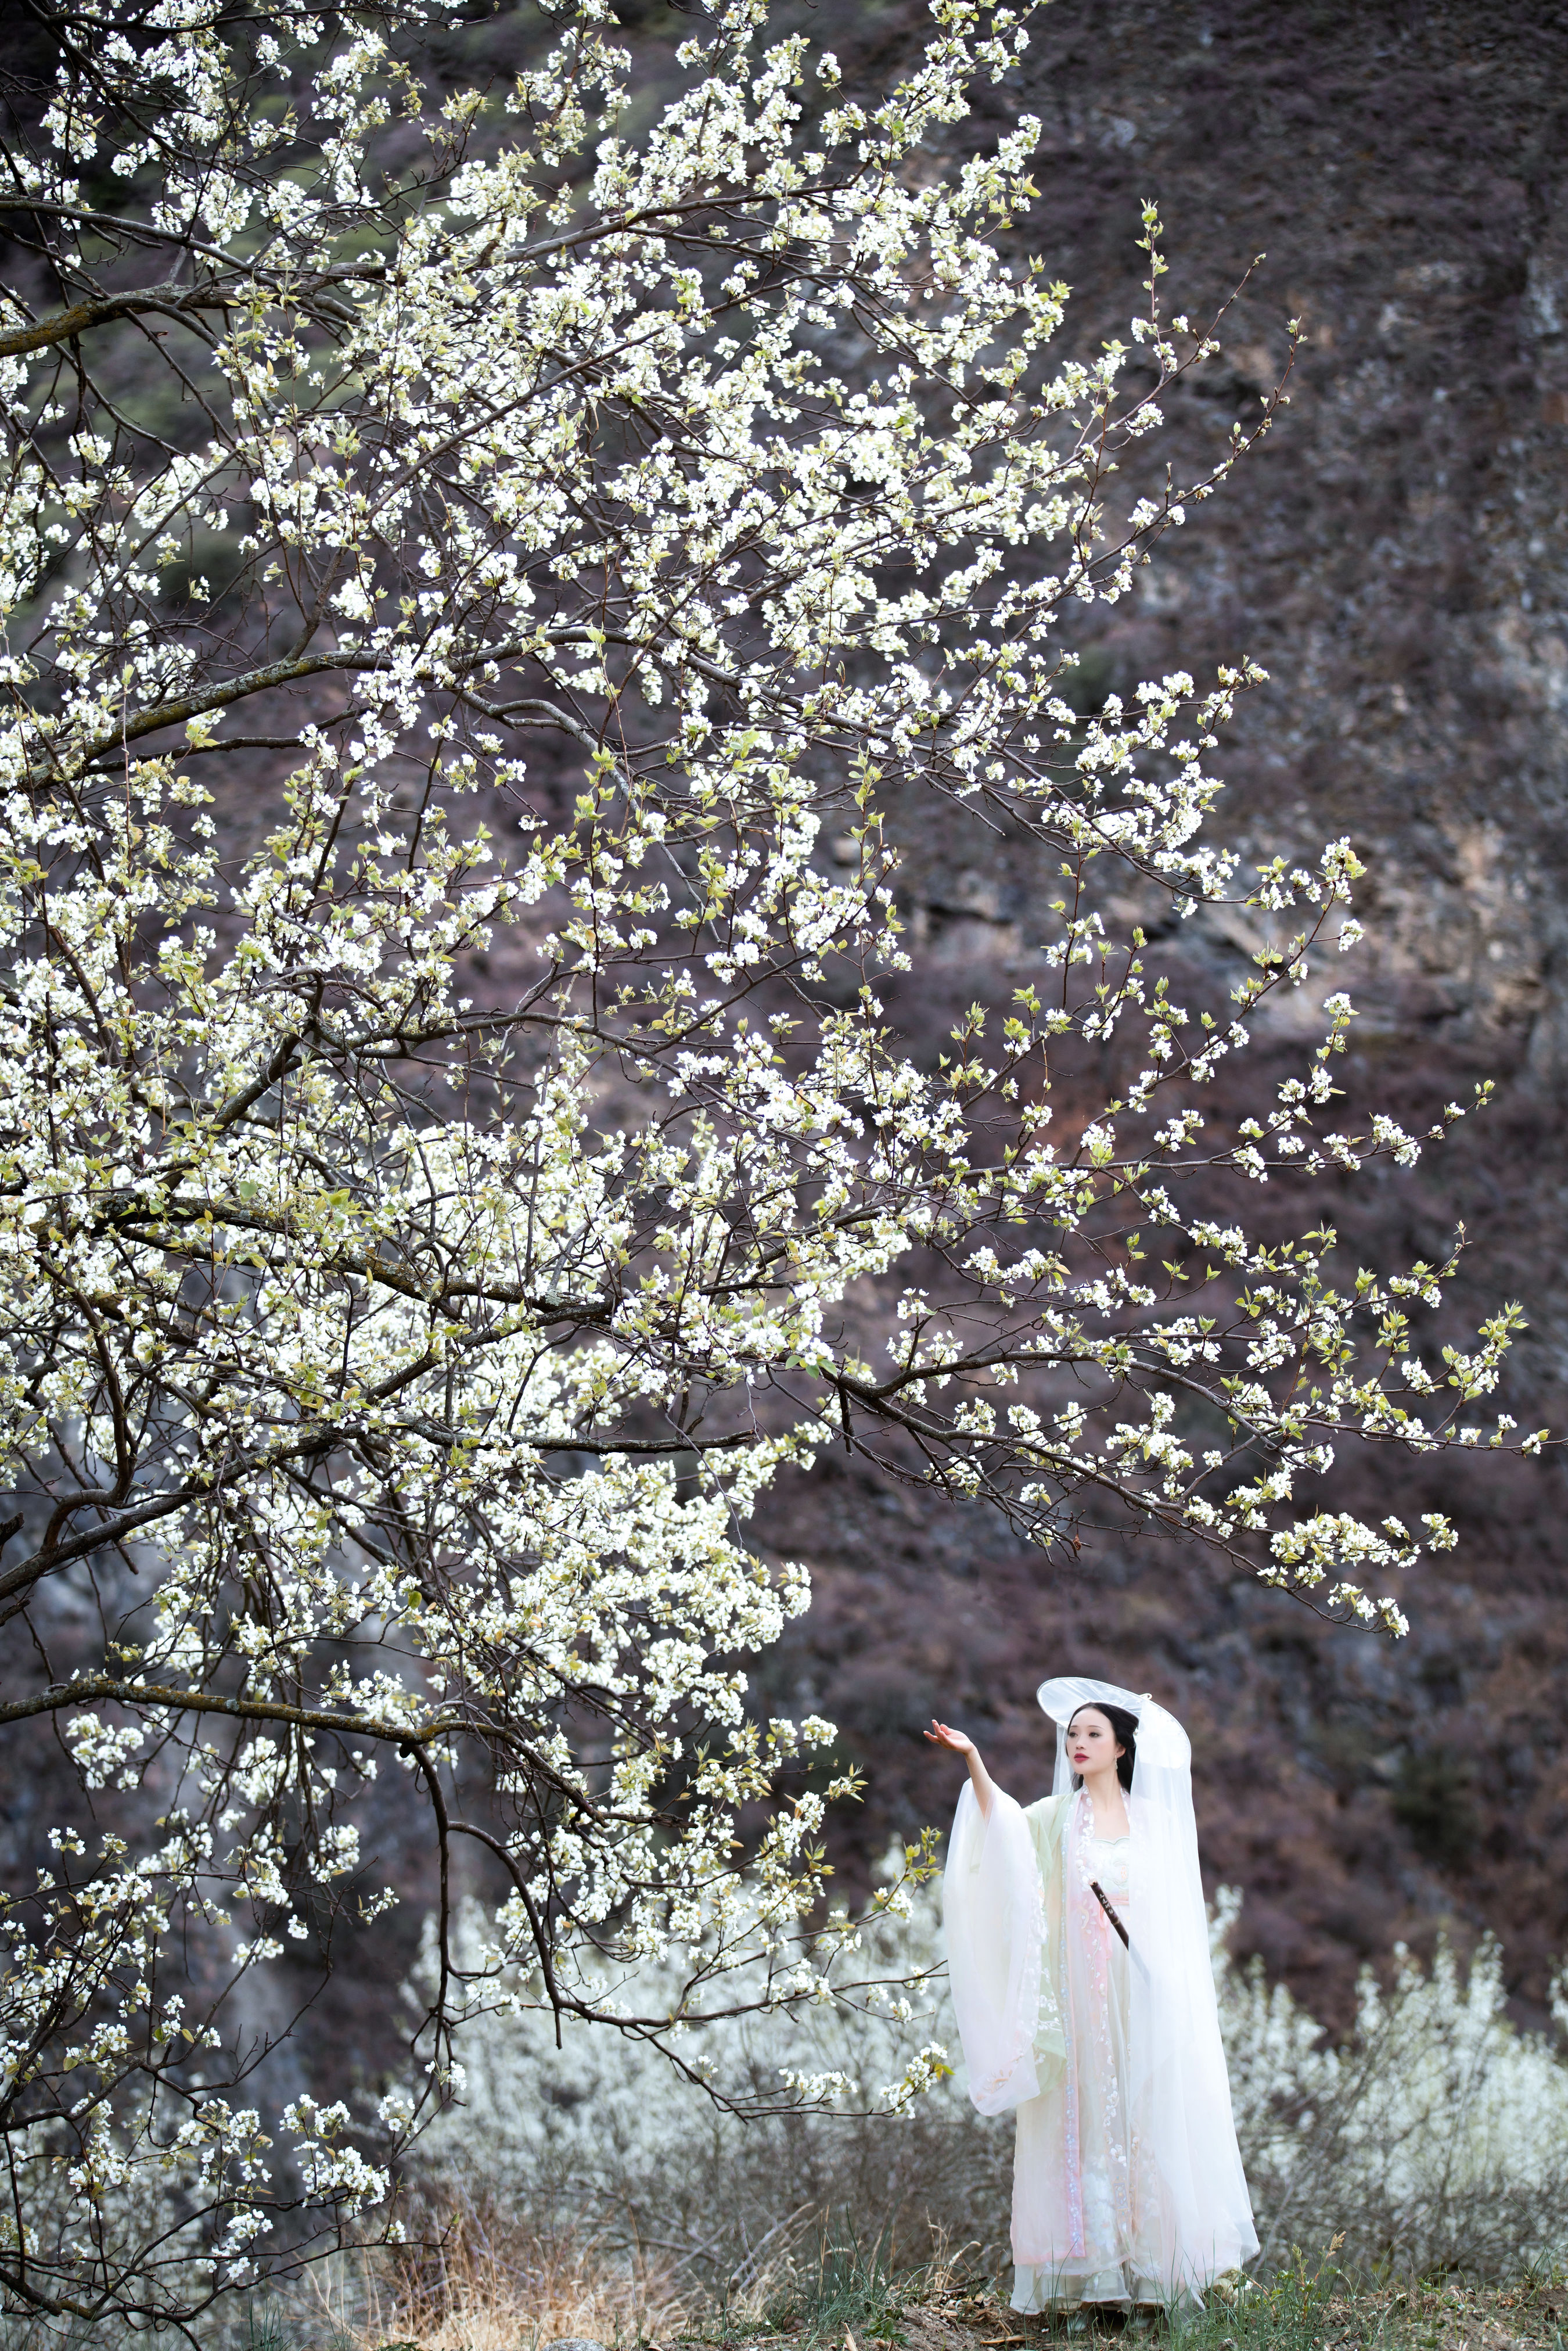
(1180, 2093)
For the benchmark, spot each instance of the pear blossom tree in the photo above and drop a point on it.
(427, 529)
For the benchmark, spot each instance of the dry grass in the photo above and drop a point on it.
(472, 2293)
(470, 2280)
(475, 2279)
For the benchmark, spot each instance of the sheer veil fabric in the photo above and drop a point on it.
(1128, 2182)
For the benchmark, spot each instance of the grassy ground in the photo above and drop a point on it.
(839, 2294)
(1307, 2310)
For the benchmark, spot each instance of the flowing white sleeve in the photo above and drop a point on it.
(1178, 2093)
(993, 1916)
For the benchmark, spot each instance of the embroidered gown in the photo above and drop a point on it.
(1127, 2182)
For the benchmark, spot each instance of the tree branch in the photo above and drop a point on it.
(170, 300)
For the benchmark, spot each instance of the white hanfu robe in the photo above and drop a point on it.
(1127, 2185)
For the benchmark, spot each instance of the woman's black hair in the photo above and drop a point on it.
(1125, 1728)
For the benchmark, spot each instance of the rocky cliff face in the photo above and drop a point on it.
(1396, 559)
(1395, 556)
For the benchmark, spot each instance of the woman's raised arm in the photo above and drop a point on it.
(940, 1735)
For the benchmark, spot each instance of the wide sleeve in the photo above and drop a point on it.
(992, 1919)
(1178, 2093)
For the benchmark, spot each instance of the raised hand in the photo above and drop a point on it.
(942, 1734)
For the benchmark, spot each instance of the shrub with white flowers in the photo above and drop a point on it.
(427, 529)
(1434, 2136)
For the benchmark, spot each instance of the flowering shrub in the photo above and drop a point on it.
(534, 532)
(598, 2138)
(1436, 2136)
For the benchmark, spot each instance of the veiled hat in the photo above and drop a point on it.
(1162, 1743)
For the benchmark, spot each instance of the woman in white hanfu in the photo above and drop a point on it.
(1127, 2185)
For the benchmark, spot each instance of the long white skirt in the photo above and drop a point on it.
(1073, 2147)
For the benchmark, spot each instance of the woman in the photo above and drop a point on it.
(1078, 1956)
